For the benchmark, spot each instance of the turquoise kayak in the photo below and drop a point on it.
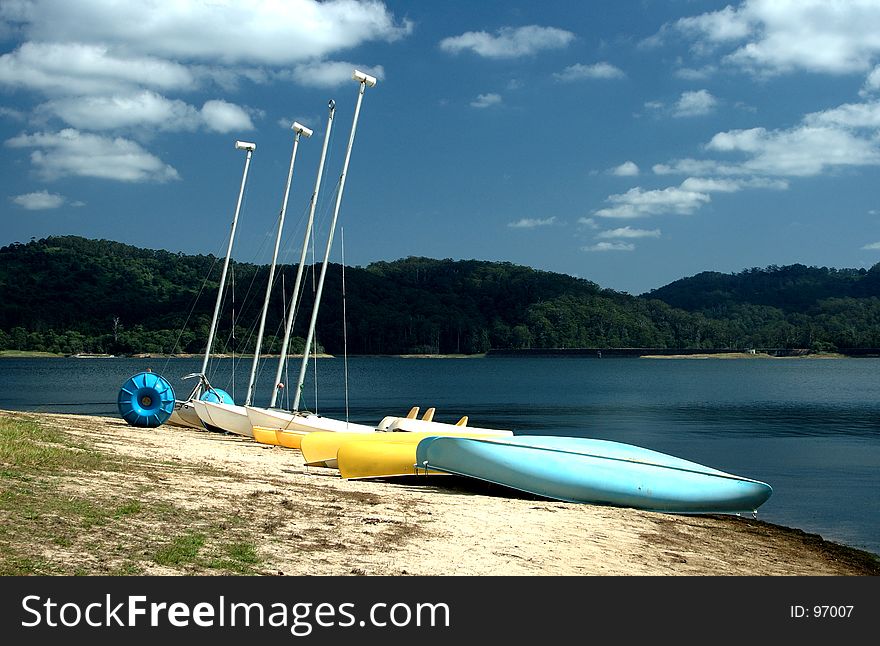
(585, 470)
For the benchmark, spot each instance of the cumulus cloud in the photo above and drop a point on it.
(823, 141)
(849, 115)
(715, 185)
(629, 232)
(626, 169)
(39, 201)
(780, 36)
(610, 246)
(486, 100)
(694, 104)
(257, 31)
(588, 222)
(103, 66)
(508, 42)
(72, 153)
(112, 112)
(872, 82)
(221, 116)
(638, 203)
(803, 151)
(531, 223)
(580, 72)
(87, 69)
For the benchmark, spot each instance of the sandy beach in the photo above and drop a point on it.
(308, 521)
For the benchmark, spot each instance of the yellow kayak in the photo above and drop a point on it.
(381, 455)
(277, 437)
(376, 459)
(289, 438)
(265, 435)
(319, 449)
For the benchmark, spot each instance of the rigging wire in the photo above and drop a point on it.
(189, 314)
(344, 322)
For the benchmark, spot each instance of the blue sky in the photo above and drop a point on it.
(629, 143)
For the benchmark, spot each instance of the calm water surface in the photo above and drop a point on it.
(810, 428)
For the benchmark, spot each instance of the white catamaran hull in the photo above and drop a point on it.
(301, 421)
(185, 415)
(224, 417)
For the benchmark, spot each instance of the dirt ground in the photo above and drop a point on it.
(308, 520)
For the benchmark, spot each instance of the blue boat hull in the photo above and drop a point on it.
(585, 470)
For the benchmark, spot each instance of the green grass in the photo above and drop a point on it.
(238, 557)
(27, 448)
(27, 354)
(67, 508)
(181, 551)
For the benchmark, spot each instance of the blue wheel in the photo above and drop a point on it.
(217, 396)
(146, 400)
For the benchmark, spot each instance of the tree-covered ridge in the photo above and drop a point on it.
(69, 294)
(793, 288)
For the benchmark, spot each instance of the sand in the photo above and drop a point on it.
(308, 520)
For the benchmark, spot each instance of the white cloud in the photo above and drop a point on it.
(221, 116)
(73, 153)
(638, 203)
(803, 151)
(696, 74)
(331, 74)
(580, 72)
(86, 69)
(872, 82)
(779, 36)
(39, 201)
(629, 232)
(714, 185)
(610, 246)
(693, 104)
(113, 112)
(508, 42)
(626, 169)
(486, 100)
(826, 140)
(531, 223)
(588, 222)
(257, 31)
(872, 246)
(849, 115)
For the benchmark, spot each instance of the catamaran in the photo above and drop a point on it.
(227, 416)
(184, 413)
(296, 421)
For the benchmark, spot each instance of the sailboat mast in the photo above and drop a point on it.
(299, 272)
(365, 80)
(299, 129)
(249, 147)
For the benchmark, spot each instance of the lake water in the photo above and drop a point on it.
(809, 428)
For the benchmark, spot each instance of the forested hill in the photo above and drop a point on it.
(794, 288)
(70, 294)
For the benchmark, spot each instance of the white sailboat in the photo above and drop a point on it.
(297, 421)
(226, 416)
(184, 413)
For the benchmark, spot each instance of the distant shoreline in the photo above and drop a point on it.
(549, 353)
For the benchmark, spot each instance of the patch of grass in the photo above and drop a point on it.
(14, 354)
(62, 513)
(27, 447)
(12, 564)
(182, 550)
(129, 508)
(239, 557)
